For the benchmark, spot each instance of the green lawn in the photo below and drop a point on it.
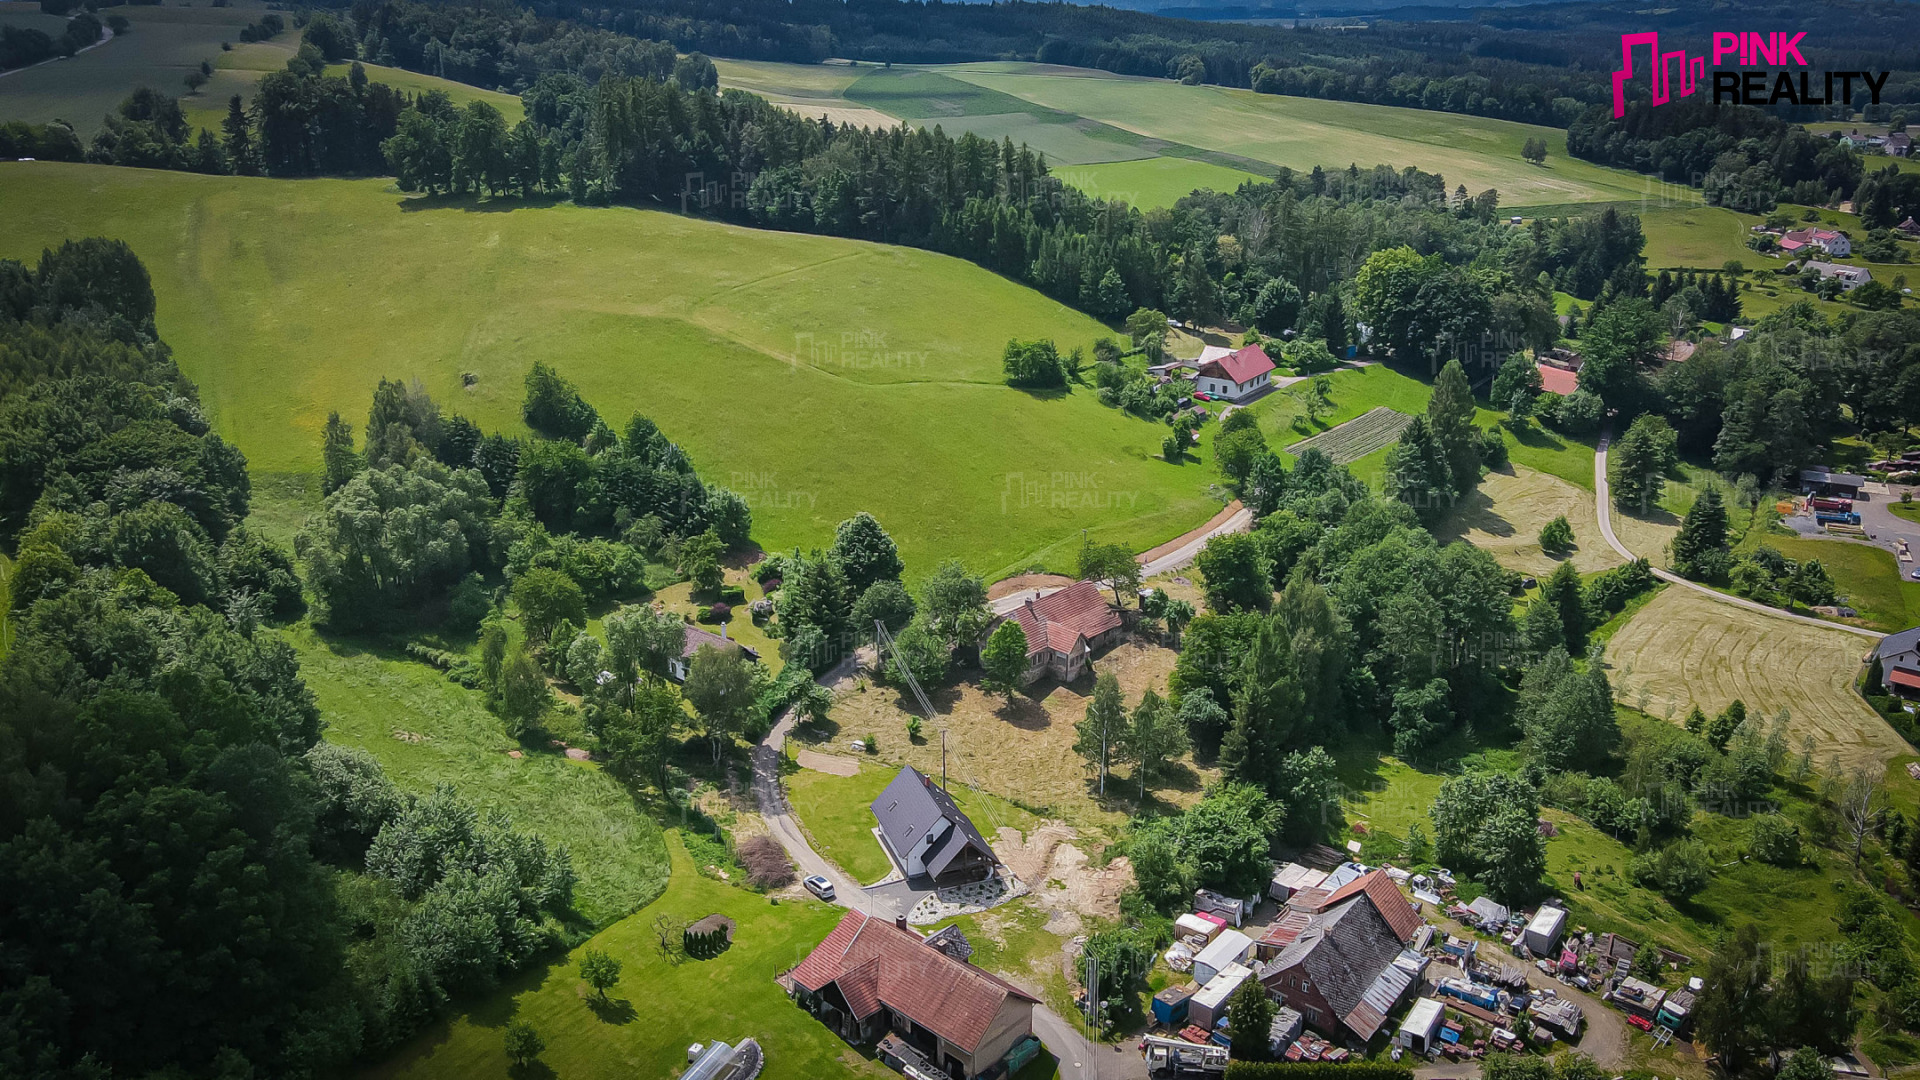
(835, 811)
(237, 71)
(658, 1007)
(1154, 182)
(1867, 575)
(1304, 132)
(164, 44)
(385, 704)
(1707, 237)
(816, 376)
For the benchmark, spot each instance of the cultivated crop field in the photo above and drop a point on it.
(1375, 429)
(810, 374)
(163, 46)
(1684, 649)
(812, 90)
(1304, 132)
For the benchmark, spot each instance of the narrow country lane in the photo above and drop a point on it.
(1603, 505)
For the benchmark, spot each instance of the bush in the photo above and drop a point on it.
(1608, 593)
(1493, 448)
(1578, 413)
(765, 862)
(1676, 871)
(733, 594)
(1556, 535)
(1775, 839)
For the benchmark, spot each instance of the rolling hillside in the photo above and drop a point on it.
(796, 369)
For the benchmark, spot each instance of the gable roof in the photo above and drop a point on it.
(1241, 366)
(1344, 950)
(878, 963)
(1385, 897)
(913, 807)
(1059, 620)
(697, 637)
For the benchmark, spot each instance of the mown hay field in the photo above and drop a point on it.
(1684, 649)
(1304, 132)
(817, 376)
(1505, 514)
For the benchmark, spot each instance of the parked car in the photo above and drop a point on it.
(1203, 397)
(819, 886)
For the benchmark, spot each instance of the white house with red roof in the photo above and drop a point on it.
(1064, 629)
(1236, 375)
(871, 977)
(1827, 240)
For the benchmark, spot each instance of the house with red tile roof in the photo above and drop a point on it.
(1237, 375)
(1827, 240)
(1558, 380)
(871, 977)
(1064, 629)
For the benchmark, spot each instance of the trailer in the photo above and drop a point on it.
(1831, 506)
(1486, 997)
(1847, 518)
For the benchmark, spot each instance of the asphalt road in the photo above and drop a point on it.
(1603, 505)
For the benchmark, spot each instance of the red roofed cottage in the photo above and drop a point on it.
(871, 976)
(1064, 629)
(1235, 375)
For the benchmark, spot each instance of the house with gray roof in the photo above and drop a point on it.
(1338, 972)
(1899, 657)
(927, 836)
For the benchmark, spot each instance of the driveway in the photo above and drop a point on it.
(1603, 506)
(1171, 555)
(1079, 1058)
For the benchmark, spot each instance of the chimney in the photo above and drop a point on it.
(900, 921)
(723, 631)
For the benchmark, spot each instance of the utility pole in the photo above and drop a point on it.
(943, 759)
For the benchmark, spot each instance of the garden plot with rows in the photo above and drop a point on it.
(1372, 430)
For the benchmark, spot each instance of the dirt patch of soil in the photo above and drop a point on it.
(1061, 878)
(832, 764)
(1023, 582)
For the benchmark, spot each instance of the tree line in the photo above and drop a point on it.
(197, 882)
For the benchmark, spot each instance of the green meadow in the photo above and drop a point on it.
(816, 376)
(1160, 181)
(164, 44)
(661, 1003)
(426, 730)
(1708, 237)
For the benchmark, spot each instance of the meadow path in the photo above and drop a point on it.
(106, 35)
(1603, 506)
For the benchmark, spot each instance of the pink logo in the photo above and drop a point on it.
(1692, 70)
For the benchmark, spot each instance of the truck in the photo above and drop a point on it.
(1848, 518)
(1173, 1057)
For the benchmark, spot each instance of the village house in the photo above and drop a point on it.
(1341, 972)
(1064, 629)
(927, 836)
(697, 639)
(872, 981)
(1851, 277)
(1909, 228)
(1899, 659)
(1827, 240)
(1236, 375)
(1898, 144)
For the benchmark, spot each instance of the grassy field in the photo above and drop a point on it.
(164, 44)
(236, 71)
(1022, 751)
(1505, 513)
(1160, 181)
(812, 90)
(1867, 575)
(801, 371)
(413, 82)
(659, 1006)
(1304, 132)
(835, 812)
(426, 730)
(1684, 649)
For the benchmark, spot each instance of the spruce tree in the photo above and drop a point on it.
(1699, 549)
(1450, 415)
